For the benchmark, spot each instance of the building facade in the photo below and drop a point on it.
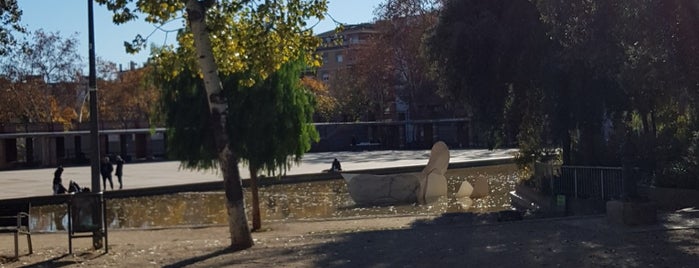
(338, 48)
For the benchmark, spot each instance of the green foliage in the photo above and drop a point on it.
(683, 171)
(489, 54)
(189, 135)
(253, 37)
(270, 122)
(250, 42)
(606, 76)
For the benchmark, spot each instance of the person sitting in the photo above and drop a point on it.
(58, 187)
(73, 187)
(336, 167)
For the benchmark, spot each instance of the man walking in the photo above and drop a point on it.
(106, 170)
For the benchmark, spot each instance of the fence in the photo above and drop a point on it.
(580, 181)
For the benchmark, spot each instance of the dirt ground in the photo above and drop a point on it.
(452, 240)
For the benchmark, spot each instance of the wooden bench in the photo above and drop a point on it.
(15, 219)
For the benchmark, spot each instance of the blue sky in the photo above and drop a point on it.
(70, 16)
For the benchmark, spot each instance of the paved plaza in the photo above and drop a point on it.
(37, 182)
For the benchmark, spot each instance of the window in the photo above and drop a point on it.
(326, 77)
(338, 57)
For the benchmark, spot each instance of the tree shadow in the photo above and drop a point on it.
(201, 258)
(462, 240)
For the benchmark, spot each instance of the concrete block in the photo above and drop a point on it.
(632, 213)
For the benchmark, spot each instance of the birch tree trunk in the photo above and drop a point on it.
(237, 221)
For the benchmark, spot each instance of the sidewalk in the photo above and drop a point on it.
(37, 182)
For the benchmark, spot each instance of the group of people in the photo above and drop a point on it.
(58, 187)
(106, 170)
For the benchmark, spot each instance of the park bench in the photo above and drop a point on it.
(15, 219)
(87, 218)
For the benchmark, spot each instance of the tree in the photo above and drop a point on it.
(224, 38)
(10, 16)
(624, 58)
(367, 87)
(46, 55)
(402, 26)
(356, 101)
(490, 54)
(41, 75)
(389, 67)
(27, 102)
(326, 104)
(128, 99)
(272, 124)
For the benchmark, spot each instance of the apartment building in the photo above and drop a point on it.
(337, 48)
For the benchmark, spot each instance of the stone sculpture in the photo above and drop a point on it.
(405, 188)
(466, 192)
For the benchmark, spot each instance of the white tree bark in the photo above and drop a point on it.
(237, 220)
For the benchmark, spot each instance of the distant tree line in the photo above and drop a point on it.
(42, 84)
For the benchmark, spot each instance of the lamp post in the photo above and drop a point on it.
(94, 116)
(94, 127)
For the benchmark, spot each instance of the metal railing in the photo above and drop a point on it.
(581, 181)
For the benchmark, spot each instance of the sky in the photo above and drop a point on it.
(70, 17)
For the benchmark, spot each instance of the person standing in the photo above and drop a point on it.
(119, 169)
(106, 170)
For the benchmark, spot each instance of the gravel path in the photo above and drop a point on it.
(452, 240)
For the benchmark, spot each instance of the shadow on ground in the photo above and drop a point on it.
(66, 260)
(459, 241)
(450, 242)
(201, 258)
(473, 241)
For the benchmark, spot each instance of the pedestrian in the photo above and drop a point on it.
(58, 187)
(119, 169)
(106, 170)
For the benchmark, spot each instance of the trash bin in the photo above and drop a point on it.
(86, 218)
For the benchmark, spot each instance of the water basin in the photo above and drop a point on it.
(293, 201)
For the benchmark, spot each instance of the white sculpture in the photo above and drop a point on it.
(423, 187)
(480, 188)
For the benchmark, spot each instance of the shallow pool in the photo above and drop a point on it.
(313, 200)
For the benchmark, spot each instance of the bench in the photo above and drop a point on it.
(15, 219)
